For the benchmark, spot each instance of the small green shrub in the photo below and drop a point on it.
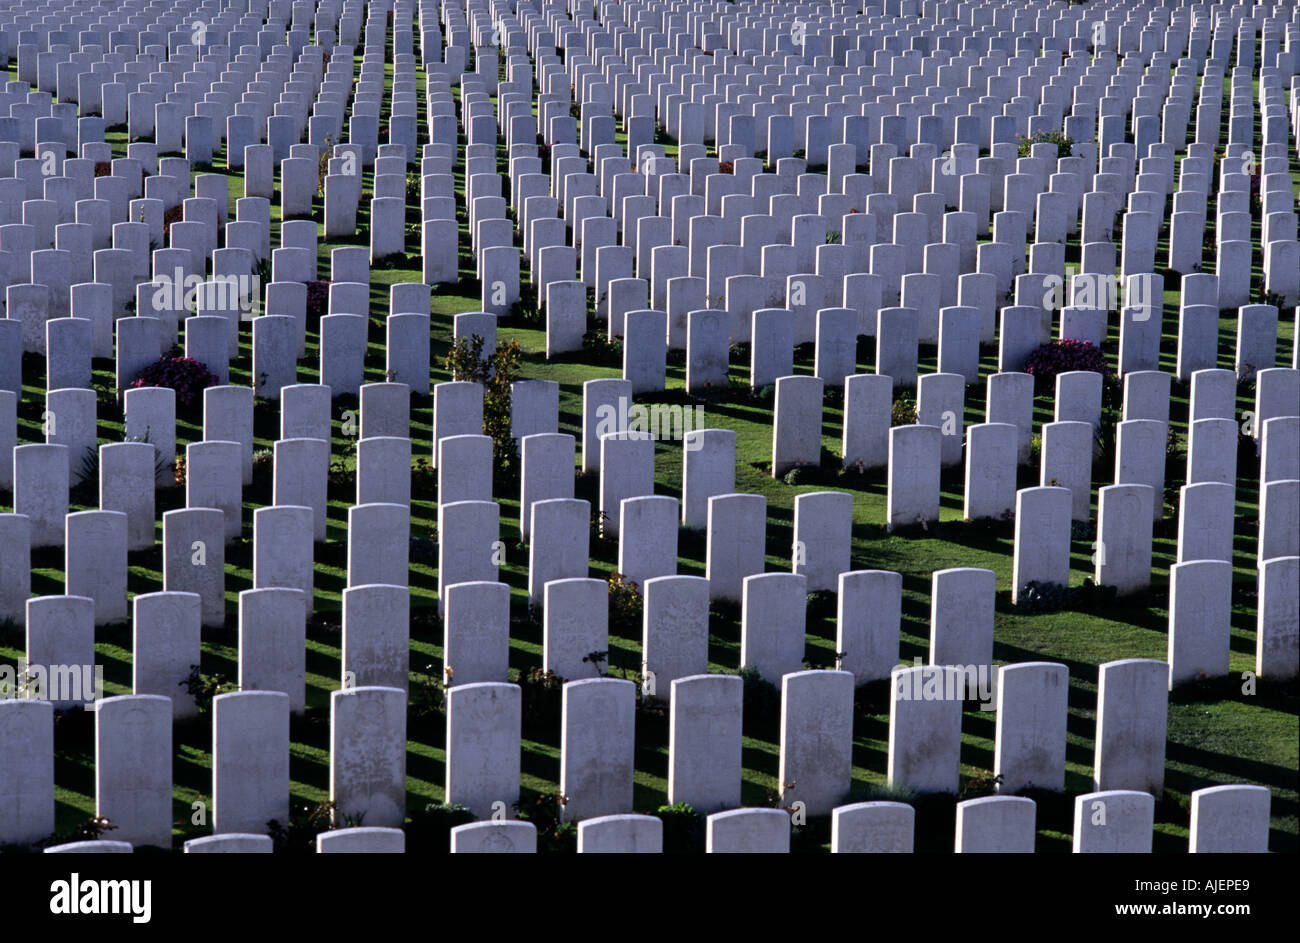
(203, 687)
(424, 547)
(603, 349)
(298, 835)
(1093, 596)
(798, 475)
(430, 828)
(554, 835)
(762, 698)
(684, 831)
(982, 784)
(263, 463)
(424, 479)
(903, 412)
(495, 372)
(1064, 144)
(625, 605)
(93, 828)
(541, 695)
(1038, 596)
(429, 691)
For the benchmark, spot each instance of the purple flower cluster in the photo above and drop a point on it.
(318, 300)
(1062, 356)
(185, 375)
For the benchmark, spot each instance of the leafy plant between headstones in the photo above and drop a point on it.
(495, 372)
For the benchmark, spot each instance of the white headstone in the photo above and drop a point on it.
(816, 739)
(250, 761)
(483, 722)
(597, 749)
(368, 756)
(1132, 702)
(133, 767)
(704, 742)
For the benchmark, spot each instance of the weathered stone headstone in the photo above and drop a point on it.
(621, 834)
(194, 558)
(961, 620)
(736, 543)
(708, 469)
(575, 628)
(1123, 548)
(796, 424)
(925, 728)
(212, 481)
(282, 548)
(250, 761)
(379, 544)
(772, 624)
(704, 742)
(626, 471)
(483, 748)
(361, 840)
(272, 643)
(1114, 821)
(376, 636)
(913, 476)
(647, 538)
(133, 767)
(1200, 614)
(991, 449)
(597, 749)
(232, 844)
(368, 755)
(41, 491)
(996, 824)
(1029, 747)
(1066, 462)
(873, 828)
(476, 632)
(675, 631)
(748, 831)
(1132, 702)
(823, 531)
(95, 562)
(1277, 629)
(1042, 540)
(1230, 819)
(166, 633)
(126, 484)
(816, 739)
(559, 544)
(27, 775)
(868, 399)
(494, 837)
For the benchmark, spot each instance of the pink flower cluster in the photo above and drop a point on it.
(318, 300)
(185, 375)
(1062, 356)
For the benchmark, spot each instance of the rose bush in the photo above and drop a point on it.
(185, 375)
(1062, 356)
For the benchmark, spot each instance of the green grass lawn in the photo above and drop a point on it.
(1217, 733)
